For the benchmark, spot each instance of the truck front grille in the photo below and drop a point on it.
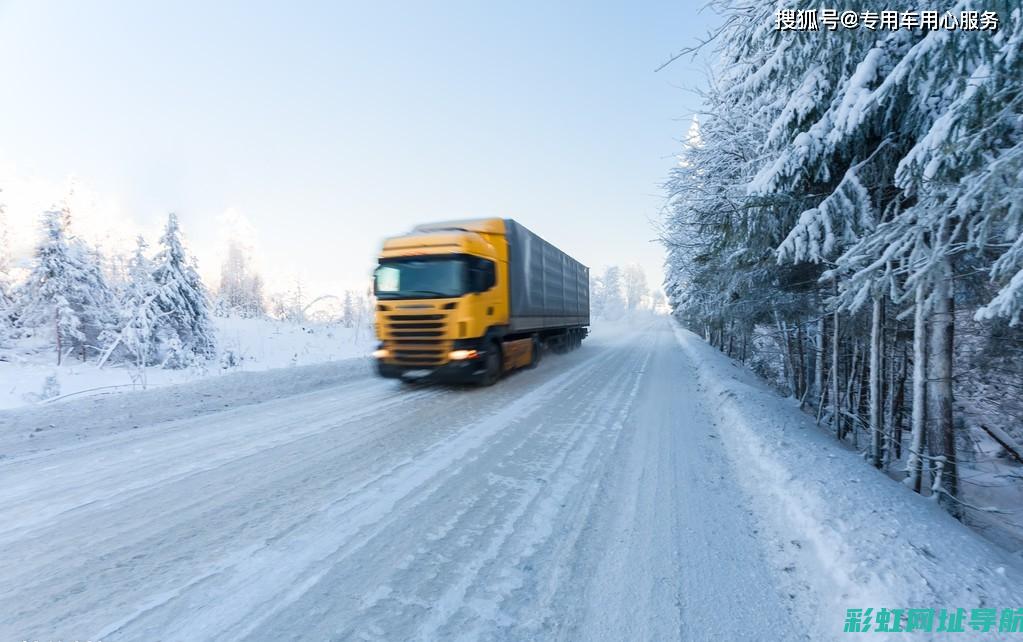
(418, 339)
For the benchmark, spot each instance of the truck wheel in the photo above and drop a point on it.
(537, 353)
(555, 344)
(492, 366)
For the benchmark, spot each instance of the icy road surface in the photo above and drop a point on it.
(615, 493)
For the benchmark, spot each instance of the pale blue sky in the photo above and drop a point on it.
(330, 125)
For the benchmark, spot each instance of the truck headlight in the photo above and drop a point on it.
(381, 353)
(461, 355)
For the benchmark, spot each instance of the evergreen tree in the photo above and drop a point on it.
(348, 310)
(5, 260)
(139, 315)
(634, 286)
(241, 289)
(840, 182)
(185, 329)
(613, 303)
(294, 303)
(66, 293)
(6, 302)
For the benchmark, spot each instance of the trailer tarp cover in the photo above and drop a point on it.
(548, 288)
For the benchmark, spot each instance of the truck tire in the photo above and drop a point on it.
(492, 366)
(556, 344)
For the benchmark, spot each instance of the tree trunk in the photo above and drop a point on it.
(876, 356)
(859, 403)
(56, 327)
(898, 404)
(916, 449)
(836, 380)
(818, 370)
(850, 399)
(820, 402)
(801, 354)
(888, 393)
(896, 385)
(786, 354)
(941, 435)
(731, 335)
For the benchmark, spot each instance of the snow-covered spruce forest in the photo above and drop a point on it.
(73, 312)
(847, 220)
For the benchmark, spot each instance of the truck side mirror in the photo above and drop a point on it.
(482, 276)
(489, 277)
(475, 279)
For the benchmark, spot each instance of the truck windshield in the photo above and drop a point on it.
(421, 278)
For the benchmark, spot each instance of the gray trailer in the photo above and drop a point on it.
(549, 290)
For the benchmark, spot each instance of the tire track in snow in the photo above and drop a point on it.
(105, 480)
(224, 605)
(222, 525)
(428, 560)
(63, 557)
(535, 568)
(531, 521)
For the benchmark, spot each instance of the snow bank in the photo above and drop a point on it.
(29, 376)
(39, 428)
(839, 529)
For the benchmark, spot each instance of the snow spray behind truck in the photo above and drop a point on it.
(466, 301)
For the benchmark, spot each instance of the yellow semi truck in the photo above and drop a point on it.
(466, 301)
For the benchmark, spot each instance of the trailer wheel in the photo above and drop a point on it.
(492, 366)
(556, 344)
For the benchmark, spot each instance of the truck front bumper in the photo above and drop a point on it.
(466, 371)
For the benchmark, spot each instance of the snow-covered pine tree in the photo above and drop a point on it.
(718, 256)
(947, 106)
(140, 270)
(185, 330)
(6, 302)
(65, 293)
(889, 168)
(614, 296)
(138, 316)
(634, 286)
(5, 259)
(241, 288)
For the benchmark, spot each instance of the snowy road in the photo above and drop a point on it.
(589, 499)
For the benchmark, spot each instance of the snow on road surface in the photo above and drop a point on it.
(639, 488)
